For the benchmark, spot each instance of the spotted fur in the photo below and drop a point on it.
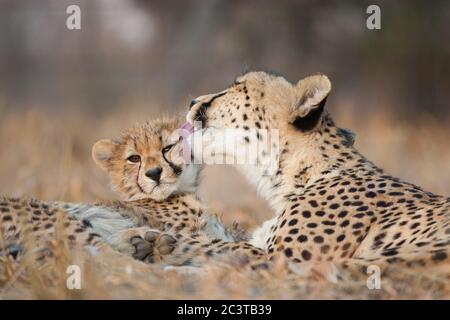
(172, 207)
(330, 202)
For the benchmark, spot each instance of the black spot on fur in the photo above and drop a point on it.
(306, 255)
(7, 218)
(87, 223)
(288, 252)
(439, 256)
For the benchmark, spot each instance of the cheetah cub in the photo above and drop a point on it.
(146, 167)
(159, 193)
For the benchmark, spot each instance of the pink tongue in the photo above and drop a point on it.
(187, 127)
(185, 131)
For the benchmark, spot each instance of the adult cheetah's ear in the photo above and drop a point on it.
(313, 91)
(102, 152)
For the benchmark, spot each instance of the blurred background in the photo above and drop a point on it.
(133, 60)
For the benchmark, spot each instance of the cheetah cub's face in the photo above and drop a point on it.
(147, 161)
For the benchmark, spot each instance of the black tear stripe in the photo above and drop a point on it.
(176, 169)
(311, 120)
(200, 115)
(137, 178)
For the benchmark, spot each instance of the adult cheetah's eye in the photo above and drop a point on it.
(166, 149)
(134, 158)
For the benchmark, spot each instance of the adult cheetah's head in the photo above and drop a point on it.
(262, 100)
(147, 161)
(259, 101)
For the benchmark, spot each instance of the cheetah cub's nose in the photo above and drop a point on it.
(154, 174)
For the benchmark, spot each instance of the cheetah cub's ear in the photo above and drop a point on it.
(312, 92)
(102, 153)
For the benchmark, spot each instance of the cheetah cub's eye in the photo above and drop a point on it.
(134, 158)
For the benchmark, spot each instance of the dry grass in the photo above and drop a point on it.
(48, 157)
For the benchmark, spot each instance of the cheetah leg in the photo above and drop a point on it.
(156, 246)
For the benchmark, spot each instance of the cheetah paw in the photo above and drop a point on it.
(153, 246)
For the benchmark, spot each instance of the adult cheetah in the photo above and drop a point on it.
(330, 202)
